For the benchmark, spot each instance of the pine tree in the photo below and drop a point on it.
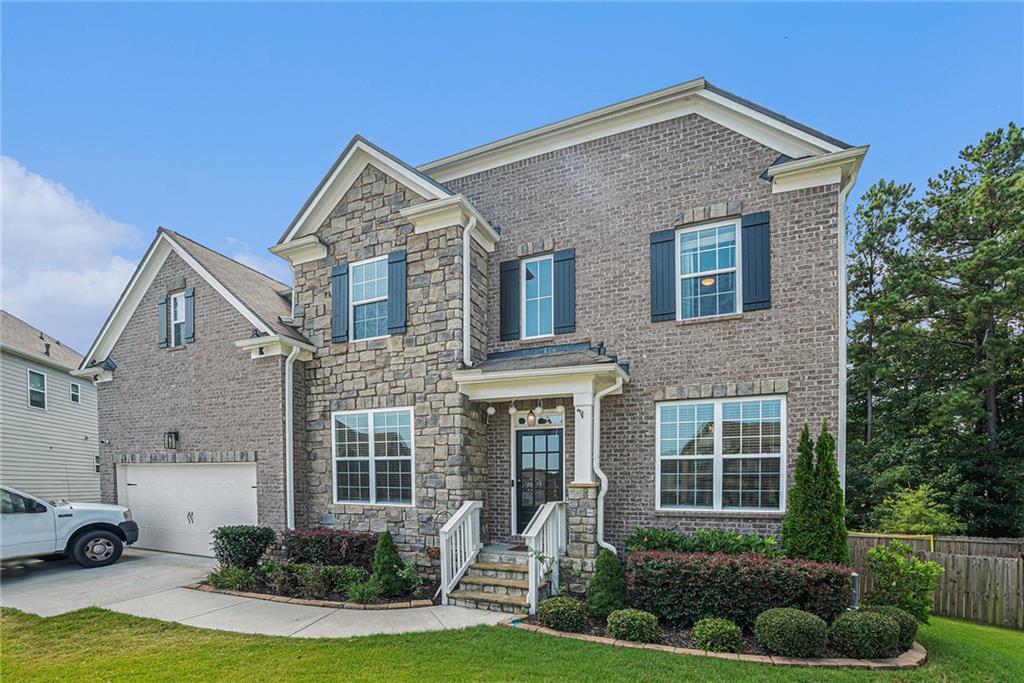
(387, 567)
(607, 590)
(828, 508)
(798, 525)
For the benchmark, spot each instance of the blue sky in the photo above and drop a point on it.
(219, 119)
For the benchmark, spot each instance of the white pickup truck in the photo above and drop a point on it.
(93, 534)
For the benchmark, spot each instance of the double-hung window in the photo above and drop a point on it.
(373, 456)
(36, 389)
(370, 298)
(708, 281)
(178, 319)
(538, 297)
(724, 454)
(76, 392)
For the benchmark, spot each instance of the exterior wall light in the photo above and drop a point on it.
(531, 419)
(171, 441)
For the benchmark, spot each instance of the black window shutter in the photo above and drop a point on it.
(161, 312)
(565, 291)
(663, 275)
(396, 292)
(509, 289)
(757, 262)
(190, 316)
(339, 303)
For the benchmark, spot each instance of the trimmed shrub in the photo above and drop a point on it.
(814, 527)
(607, 590)
(902, 579)
(562, 613)
(798, 525)
(365, 591)
(283, 578)
(705, 540)
(684, 587)
(388, 567)
(242, 545)
(633, 624)
(322, 581)
(717, 635)
(233, 578)
(329, 546)
(791, 632)
(866, 635)
(904, 619)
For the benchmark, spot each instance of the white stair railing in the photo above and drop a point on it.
(460, 545)
(546, 539)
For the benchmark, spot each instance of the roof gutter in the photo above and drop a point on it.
(596, 441)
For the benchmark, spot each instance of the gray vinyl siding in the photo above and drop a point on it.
(49, 453)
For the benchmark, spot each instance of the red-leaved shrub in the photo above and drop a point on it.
(682, 587)
(323, 545)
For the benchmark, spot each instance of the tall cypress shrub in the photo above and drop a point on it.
(798, 525)
(387, 567)
(829, 507)
(607, 590)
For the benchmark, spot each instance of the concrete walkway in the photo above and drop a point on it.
(147, 584)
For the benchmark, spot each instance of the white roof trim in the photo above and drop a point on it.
(341, 177)
(662, 105)
(537, 383)
(828, 169)
(275, 345)
(455, 210)
(139, 284)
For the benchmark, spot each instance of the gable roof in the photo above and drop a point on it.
(17, 336)
(258, 297)
(696, 96)
(343, 172)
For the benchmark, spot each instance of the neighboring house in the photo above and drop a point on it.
(49, 445)
(663, 278)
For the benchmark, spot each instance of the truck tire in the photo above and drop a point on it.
(97, 548)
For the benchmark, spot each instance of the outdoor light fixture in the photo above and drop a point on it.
(707, 281)
(171, 440)
(531, 419)
(559, 409)
(491, 410)
(512, 410)
(539, 410)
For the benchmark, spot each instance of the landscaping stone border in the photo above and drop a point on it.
(911, 659)
(335, 604)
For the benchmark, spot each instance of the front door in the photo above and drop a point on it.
(538, 472)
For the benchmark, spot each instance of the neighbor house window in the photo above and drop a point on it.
(76, 393)
(178, 319)
(538, 297)
(724, 454)
(373, 456)
(370, 299)
(96, 463)
(36, 389)
(708, 279)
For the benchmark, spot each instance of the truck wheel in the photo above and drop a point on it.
(97, 548)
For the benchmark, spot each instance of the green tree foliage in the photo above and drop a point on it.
(798, 524)
(917, 511)
(936, 383)
(607, 590)
(828, 505)
(388, 567)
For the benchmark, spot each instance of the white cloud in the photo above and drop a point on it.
(268, 265)
(61, 269)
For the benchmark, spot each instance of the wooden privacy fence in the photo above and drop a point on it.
(982, 578)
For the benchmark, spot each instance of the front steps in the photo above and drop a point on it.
(497, 581)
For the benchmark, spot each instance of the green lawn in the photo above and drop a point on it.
(95, 644)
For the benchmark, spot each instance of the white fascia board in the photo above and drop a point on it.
(301, 250)
(275, 345)
(539, 383)
(341, 179)
(828, 169)
(688, 98)
(97, 374)
(139, 285)
(443, 213)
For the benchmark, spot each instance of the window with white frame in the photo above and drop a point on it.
(178, 319)
(76, 393)
(373, 456)
(726, 454)
(708, 282)
(36, 389)
(538, 297)
(370, 298)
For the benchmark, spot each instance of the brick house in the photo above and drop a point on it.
(619, 319)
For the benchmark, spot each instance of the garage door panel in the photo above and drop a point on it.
(178, 505)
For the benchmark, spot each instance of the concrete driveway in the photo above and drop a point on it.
(148, 584)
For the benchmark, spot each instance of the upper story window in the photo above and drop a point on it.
(726, 454)
(178, 319)
(708, 282)
(76, 393)
(373, 456)
(370, 298)
(36, 389)
(538, 297)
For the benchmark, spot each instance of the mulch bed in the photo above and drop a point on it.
(424, 597)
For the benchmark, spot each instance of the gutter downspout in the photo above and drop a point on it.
(467, 288)
(597, 463)
(289, 436)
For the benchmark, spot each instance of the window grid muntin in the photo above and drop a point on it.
(178, 319)
(75, 392)
(368, 296)
(544, 303)
(386, 464)
(726, 263)
(719, 458)
(38, 391)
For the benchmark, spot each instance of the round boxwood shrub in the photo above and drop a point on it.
(717, 635)
(866, 635)
(562, 614)
(633, 624)
(791, 632)
(242, 545)
(904, 619)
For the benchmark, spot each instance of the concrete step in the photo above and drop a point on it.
(490, 584)
(494, 581)
(503, 570)
(491, 601)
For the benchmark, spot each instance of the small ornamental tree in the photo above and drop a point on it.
(828, 503)
(388, 566)
(798, 530)
(607, 590)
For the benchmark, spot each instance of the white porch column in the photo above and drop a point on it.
(583, 428)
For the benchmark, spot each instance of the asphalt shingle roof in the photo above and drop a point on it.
(20, 337)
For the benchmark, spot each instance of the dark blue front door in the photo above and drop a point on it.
(538, 472)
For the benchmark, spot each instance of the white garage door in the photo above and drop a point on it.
(177, 506)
